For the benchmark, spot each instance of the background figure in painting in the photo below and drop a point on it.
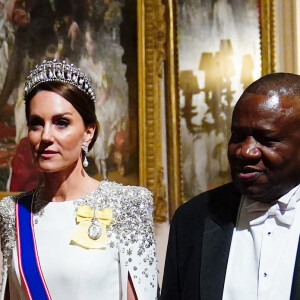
(7, 130)
(6, 41)
(42, 28)
(89, 61)
(107, 71)
(103, 60)
(223, 24)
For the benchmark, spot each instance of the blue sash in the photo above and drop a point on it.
(29, 266)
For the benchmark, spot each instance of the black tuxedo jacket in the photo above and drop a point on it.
(199, 244)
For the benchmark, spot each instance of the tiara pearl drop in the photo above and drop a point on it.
(60, 72)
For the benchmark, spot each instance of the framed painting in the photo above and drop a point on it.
(119, 44)
(216, 48)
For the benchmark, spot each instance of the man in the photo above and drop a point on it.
(240, 240)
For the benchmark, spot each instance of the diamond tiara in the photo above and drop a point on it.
(62, 72)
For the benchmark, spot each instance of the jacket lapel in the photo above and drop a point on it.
(215, 252)
(217, 236)
(295, 292)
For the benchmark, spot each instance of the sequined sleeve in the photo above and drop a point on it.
(132, 231)
(137, 247)
(7, 235)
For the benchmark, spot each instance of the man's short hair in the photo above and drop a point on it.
(281, 84)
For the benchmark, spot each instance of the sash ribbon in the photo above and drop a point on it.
(28, 260)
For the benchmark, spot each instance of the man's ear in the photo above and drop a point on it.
(89, 133)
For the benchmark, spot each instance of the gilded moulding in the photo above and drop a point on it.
(151, 54)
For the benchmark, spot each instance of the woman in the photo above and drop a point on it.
(73, 237)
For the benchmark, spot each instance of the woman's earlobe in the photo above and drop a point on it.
(90, 131)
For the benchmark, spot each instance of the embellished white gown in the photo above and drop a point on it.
(74, 272)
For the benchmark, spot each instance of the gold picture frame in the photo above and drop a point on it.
(267, 36)
(172, 90)
(151, 54)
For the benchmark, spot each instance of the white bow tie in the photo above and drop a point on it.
(259, 212)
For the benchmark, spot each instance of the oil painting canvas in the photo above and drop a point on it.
(95, 36)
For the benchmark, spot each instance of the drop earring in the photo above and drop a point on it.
(85, 148)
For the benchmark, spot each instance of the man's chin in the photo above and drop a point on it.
(256, 193)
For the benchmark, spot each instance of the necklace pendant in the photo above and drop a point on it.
(94, 231)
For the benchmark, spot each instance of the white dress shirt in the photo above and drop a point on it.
(263, 249)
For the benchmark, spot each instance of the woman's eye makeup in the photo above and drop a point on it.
(59, 121)
(62, 122)
(35, 122)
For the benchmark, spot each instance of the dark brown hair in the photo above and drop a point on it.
(81, 102)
